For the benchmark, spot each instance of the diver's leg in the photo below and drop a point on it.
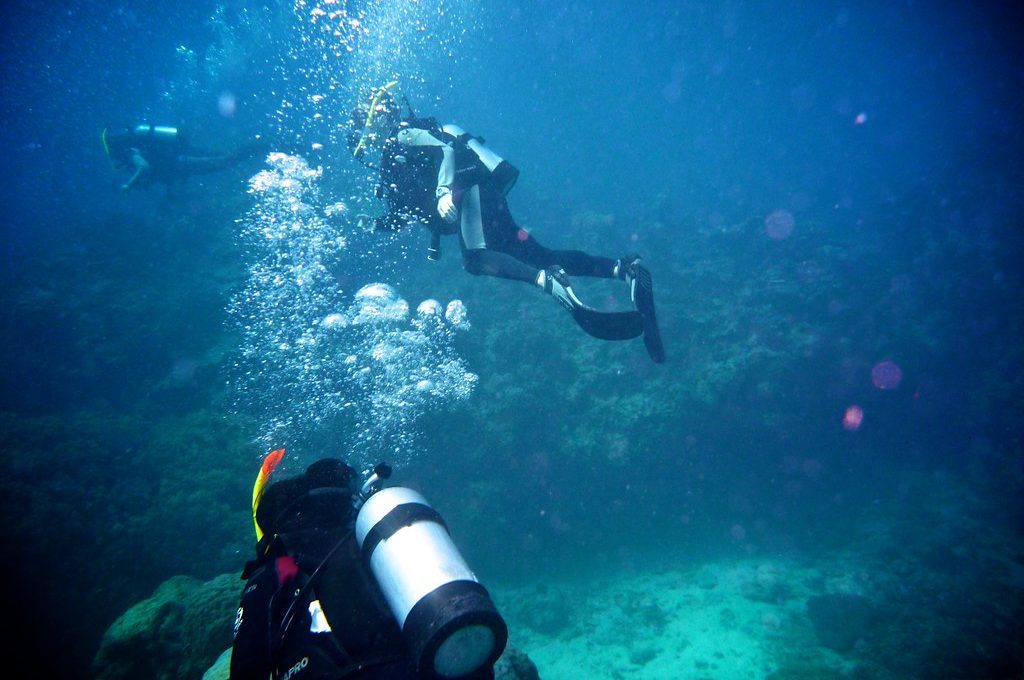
(471, 221)
(575, 262)
(478, 257)
(484, 221)
(487, 232)
(492, 245)
(204, 164)
(500, 232)
(483, 262)
(201, 165)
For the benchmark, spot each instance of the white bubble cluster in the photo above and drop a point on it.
(403, 366)
(316, 364)
(341, 51)
(455, 314)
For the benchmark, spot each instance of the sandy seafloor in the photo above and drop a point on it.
(703, 622)
(748, 617)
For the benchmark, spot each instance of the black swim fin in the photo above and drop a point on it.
(602, 325)
(641, 289)
(608, 325)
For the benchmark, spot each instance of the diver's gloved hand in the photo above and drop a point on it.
(446, 206)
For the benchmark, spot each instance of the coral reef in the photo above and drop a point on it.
(178, 632)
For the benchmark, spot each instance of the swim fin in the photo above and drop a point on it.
(602, 325)
(608, 325)
(641, 290)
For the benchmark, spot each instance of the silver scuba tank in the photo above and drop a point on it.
(502, 173)
(159, 133)
(447, 618)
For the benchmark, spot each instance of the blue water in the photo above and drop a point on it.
(829, 197)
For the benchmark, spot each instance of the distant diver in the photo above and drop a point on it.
(161, 153)
(447, 179)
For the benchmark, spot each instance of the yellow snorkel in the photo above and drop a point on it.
(381, 91)
(106, 147)
(269, 463)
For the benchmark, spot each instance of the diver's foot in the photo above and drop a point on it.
(625, 267)
(555, 282)
(631, 269)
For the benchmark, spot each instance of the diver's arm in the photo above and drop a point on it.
(412, 136)
(141, 168)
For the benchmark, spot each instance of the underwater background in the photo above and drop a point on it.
(823, 480)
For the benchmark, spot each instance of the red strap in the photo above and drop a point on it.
(286, 569)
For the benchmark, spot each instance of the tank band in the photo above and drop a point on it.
(398, 518)
(445, 610)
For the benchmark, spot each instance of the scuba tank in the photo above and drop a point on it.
(492, 167)
(160, 134)
(447, 618)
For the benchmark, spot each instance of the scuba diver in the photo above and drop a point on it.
(447, 179)
(354, 580)
(159, 153)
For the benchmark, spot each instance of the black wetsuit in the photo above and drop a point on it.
(420, 160)
(338, 626)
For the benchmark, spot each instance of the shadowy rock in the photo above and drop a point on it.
(515, 665)
(177, 633)
(840, 619)
(221, 668)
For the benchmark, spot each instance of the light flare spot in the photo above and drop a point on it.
(227, 104)
(886, 375)
(779, 225)
(852, 418)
